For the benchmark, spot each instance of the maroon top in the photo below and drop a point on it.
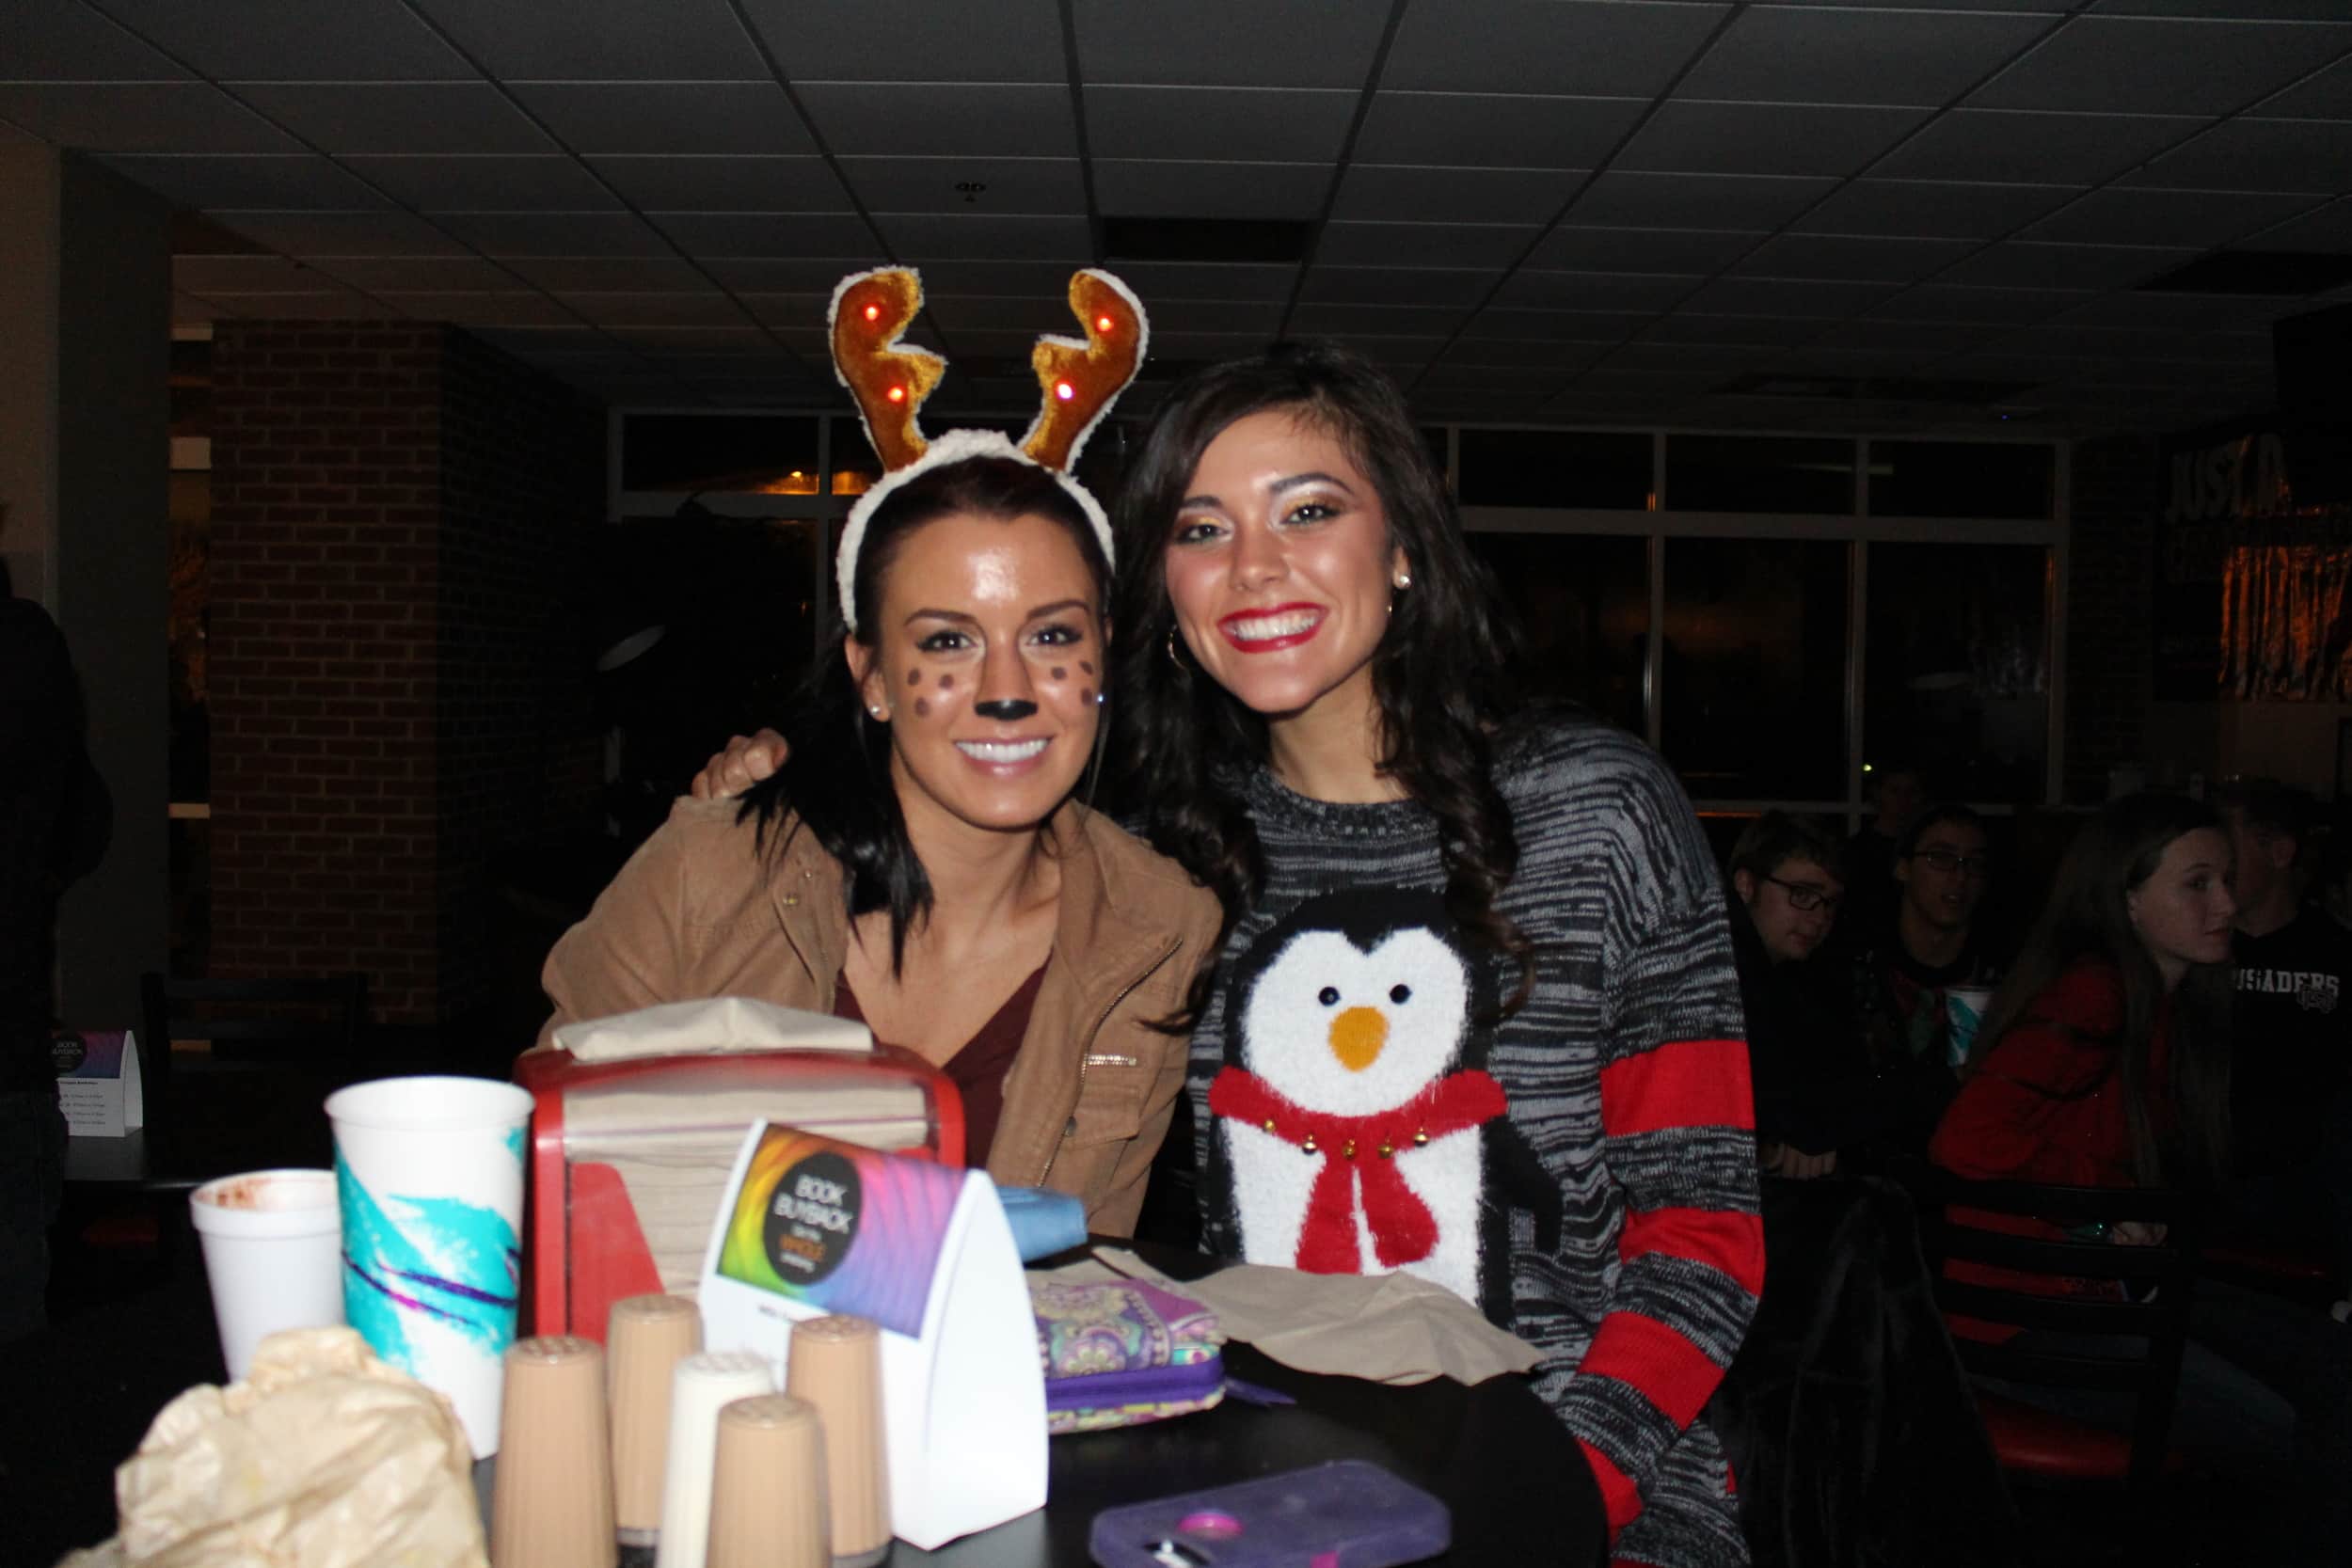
(978, 1070)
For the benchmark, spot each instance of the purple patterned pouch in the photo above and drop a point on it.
(1120, 1353)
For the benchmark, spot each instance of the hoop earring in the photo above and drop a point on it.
(1173, 656)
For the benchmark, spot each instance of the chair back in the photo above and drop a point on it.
(2136, 1295)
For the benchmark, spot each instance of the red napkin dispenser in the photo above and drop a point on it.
(629, 1158)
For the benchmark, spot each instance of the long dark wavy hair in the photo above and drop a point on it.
(838, 775)
(2087, 918)
(1440, 674)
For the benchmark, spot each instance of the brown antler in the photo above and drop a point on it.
(1081, 379)
(889, 382)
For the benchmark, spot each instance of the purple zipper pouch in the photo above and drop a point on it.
(1120, 1353)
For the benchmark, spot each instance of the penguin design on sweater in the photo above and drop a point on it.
(1352, 1112)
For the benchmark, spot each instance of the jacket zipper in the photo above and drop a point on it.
(1087, 1045)
(1191, 1380)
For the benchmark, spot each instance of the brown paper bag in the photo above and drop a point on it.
(324, 1457)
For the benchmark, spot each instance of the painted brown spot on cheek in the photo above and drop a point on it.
(922, 708)
(1060, 674)
(1085, 666)
(914, 677)
(947, 683)
(1086, 693)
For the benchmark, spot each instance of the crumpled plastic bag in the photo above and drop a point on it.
(324, 1457)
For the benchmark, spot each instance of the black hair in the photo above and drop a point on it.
(2269, 810)
(837, 777)
(2088, 916)
(1775, 838)
(1441, 673)
(1936, 817)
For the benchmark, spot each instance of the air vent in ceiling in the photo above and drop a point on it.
(2256, 272)
(1875, 389)
(1259, 240)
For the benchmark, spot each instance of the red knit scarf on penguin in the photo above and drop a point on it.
(1403, 1229)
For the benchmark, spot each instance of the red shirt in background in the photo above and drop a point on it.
(2046, 1104)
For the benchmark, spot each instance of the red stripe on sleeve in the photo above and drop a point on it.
(1619, 1498)
(1672, 1373)
(1729, 1241)
(1678, 1083)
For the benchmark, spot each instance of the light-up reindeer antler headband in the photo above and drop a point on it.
(1079, 379)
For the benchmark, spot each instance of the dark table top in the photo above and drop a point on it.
(81, 1394)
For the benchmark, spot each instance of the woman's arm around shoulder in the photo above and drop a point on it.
(629, 951)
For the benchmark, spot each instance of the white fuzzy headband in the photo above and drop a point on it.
(1079, 379)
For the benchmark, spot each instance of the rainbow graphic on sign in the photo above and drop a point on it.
(840, 1228)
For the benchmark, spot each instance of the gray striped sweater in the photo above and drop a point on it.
(1635, 1269)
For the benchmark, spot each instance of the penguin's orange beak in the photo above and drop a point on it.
(1358, 1037)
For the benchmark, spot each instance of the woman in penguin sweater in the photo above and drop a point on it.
(1476, 1016)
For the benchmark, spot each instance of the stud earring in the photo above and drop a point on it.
(1403, 580)
(879, 712)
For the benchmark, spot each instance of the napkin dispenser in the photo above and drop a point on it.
(637, 1121)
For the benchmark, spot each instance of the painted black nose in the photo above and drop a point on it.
(1006, 708)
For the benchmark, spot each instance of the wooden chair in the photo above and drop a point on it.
(2150, 1324)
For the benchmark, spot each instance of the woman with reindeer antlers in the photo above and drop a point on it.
(921, 863)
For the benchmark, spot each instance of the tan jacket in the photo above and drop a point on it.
(699, 911)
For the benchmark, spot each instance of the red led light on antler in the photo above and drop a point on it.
(1104, 324)
(1064, 390)
(897, 394)
(873, 312)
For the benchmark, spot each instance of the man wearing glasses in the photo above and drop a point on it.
(1786, 888)
(1903, 971)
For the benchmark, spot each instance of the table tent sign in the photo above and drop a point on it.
(811, 1225)
(98, 1083)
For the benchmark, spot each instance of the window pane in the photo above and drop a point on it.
(1752, 688)
(754, 453)
(1956, 660)
(1555, 467)
(1582, 603)
(1760, 473)
(1960, 479)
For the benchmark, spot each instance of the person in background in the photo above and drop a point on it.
(2291, 1031)
(1898, 792)
(1902, 974)
(1785, 890)
(2104, 1061)
(53, 823)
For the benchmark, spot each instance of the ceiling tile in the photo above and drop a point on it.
(701, 234)
(1238, 124)
(612, 234)
(919, 237)
(1493, 130)
(1395, 193)
(1686, 250)
(139, 117)
(64, 40)
(668, 116)
(781, 274)
(1696, 201)
(609, 274)
(2194, 218)
(211, 274)
(1011, 279)
(2023, 264)
(2247, 154)
(1424, 244)
(1206, 345)
(1838, 255)
(998, 121)
(1925, 209)
(967, 185)
(483, 308)
(1686, 326)
(1584, 326)
(304, 305)
(1424, 286)
(1518, 352)
(297, 41)
(1711, 361)
(261, 182)
(1772, 55)
(923, 40)
(1594, 290)
(398, 117)
(2170, 313)
(702, 307)
(734, 182)
(601, 41)
(1157, 280)
(491, 183)
(1906, 337)
(2328, 228)
(1764, 138)
(1030, 314)
(1818, 298)
(2121, 65)
(2034, 149)
(1571, 47)
(1950, 302)
(415, 273)
(1258, 43)
(1163, 188)
(806, 312)
(1260, 318)
(2324, 96)
(348, 233)
(568, 344)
